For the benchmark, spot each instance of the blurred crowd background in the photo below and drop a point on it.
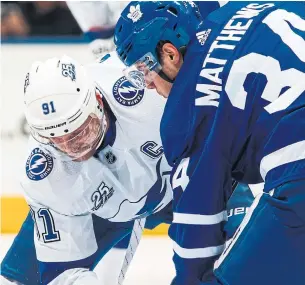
(37, 18)
(95, 19)
(52, 18)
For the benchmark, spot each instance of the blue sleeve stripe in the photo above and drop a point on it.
(189, 271)
(287, 154)
(190, 253)
(197, 236)
(198, 219)
(50, 270)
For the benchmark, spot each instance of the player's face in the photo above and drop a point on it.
(162, 86)
(146, 72)
(82, 143)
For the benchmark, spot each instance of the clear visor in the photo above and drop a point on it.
(142, 73)
(79, 145)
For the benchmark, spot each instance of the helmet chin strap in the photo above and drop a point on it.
(165, 77)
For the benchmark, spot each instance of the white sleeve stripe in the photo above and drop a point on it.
(197, 219)
(222, 3)
(228, 242)
(205, 252)
(287, 154)
(256, 189)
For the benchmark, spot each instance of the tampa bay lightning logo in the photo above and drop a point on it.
(39, 165)
(126, 94)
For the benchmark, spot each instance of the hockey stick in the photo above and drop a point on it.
(136, 235)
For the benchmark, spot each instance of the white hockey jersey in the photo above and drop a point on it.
(96, 14)
(127, 179)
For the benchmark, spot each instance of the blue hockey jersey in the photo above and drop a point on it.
(236, 110)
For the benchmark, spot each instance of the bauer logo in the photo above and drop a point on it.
(126, 94)
(39, 165)
(238, 211)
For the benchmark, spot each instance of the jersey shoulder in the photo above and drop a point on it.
(137, 111)
(62, 185)
(177, 124)
(124, 99)
(226, 35)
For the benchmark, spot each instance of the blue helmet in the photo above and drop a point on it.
(143, 25)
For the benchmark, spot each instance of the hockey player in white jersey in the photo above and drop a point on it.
(95, 164)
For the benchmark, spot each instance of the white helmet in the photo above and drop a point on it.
(59, 99)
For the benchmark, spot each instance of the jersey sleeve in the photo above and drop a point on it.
(96, 19)
(200, 214)
(89, 14)
(205, 180)
(77, 276)
(62, 242)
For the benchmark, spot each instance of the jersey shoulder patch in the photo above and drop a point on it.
(125, 93)
(38, 165)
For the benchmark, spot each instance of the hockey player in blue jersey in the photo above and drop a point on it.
(235, 84)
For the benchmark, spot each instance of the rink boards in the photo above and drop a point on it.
(15, 209)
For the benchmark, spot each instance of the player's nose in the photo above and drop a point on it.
(150, 85)
(65, 146)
